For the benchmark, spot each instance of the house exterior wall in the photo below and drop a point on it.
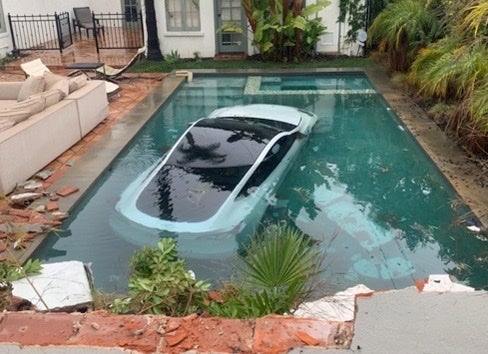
(329, 42)
(186, 44)
(333, 41)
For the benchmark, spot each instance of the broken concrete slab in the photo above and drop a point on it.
(339, 307)
(62, 286)
(443, 283)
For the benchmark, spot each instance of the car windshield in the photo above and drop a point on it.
(205, 167)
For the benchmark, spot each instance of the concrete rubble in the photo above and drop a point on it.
(62, 286)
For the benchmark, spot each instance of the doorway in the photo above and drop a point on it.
(231, 26)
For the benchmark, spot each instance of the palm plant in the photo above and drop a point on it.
(455, 69)
(277, 271)
(404, 27)
(475, 18)
(448, 69)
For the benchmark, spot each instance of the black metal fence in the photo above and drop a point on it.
(118, 30)
(54, 32)
(40, 32)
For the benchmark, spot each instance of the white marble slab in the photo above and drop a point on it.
(62, 285)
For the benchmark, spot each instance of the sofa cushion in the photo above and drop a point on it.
(51, 97)
(6, 103)
(31, 86)
(5, 124)
(76, 82)
(54, 81)
(22, 110)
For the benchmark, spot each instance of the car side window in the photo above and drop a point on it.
(270, 162)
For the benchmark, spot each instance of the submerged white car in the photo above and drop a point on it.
(220, 172)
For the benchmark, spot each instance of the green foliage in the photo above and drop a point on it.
(161, 284)
(282, 33)
(454, 70)
(205, 63)
(173, 57)
(355, 12)
(277, 273)
(404, 27)
(11, 271)
(196, 56)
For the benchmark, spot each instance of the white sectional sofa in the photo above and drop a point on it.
(29, 142)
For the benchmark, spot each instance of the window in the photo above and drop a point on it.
(182, 15)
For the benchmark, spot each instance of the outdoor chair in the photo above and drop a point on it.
(37, 68)
(83, 19)
(34, 68)
(110, 73)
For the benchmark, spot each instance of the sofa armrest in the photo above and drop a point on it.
(92, 104)
(9, 90)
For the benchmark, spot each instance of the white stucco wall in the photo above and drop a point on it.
(187, 43)
(334, 40)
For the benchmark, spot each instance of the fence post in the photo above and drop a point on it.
(15, 51)
(69, 28)
(95, 31)
(58, 32)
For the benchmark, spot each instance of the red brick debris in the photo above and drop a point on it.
(162, 334)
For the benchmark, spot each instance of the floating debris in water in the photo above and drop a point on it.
(473, 226)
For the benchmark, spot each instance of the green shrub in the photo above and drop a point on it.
(160, 284)
(10, 271)
(172, 57)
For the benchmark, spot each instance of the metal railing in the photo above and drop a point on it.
(118, 30)
(40, 32)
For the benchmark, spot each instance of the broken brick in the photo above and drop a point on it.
(65, 191)
(52, 206)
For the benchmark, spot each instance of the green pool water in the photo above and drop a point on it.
(362, 188)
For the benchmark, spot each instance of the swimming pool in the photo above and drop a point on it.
(361, 187)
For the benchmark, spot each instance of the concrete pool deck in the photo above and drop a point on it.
(373, 326)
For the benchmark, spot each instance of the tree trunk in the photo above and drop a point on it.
(249, 9)
(297, 7)
(153, 49)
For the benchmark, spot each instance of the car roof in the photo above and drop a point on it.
(286, 114)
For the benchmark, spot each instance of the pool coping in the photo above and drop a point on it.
(445, 154)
